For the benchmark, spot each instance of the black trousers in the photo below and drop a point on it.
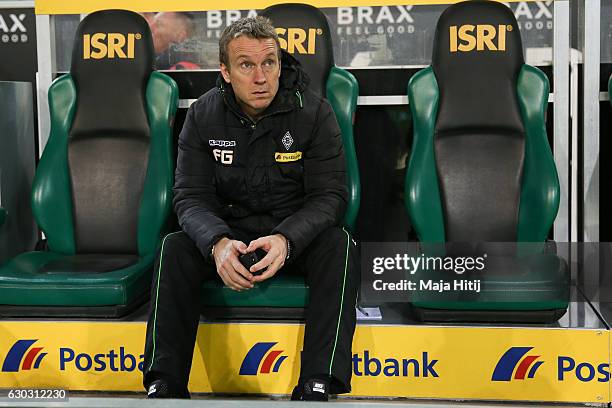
(331, 267)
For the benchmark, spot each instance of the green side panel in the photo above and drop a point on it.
(51, 188)
(21, 283)
(280, 291)
(156, 200)
(539, 200)
(422, 193)
(2, 215)
(342, 92)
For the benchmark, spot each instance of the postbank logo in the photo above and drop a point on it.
(109, 45)
(15, 356)
(22, 356)
(253, 359)
(513, 357)
(302, 41)
(367, 365)
(287, 157)
(516, 364)
(481, 37)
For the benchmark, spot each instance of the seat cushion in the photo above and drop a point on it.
(537, 282)
(279, 291)
(24, 281)
(94, 263)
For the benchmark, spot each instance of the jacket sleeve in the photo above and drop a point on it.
(195, 200)
(326, 193)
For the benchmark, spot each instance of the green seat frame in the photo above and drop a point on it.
(547, 290)
(24, 290)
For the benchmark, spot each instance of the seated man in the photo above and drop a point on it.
(260, 167)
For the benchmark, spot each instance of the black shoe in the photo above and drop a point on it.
(296, 395)
(312, 390)
(161, 389)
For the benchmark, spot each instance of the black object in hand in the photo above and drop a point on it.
(251, 258)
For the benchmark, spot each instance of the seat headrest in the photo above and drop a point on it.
(304, 32)
(477, 56)
(109, 41)
(112, 60)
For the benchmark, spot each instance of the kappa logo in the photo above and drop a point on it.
(222, 143)
(287, 140)
(508, 362)
(16, 32)
(12, 362)
(109, 45)
(481, 37)
(252, 360)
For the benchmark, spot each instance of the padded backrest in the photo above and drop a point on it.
(111, 63)
(481, 167)
(109, 118)
(479, 134)
(303, 32)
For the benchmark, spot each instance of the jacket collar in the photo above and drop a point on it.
(292, 84)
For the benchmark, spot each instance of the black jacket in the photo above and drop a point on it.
(283, 174)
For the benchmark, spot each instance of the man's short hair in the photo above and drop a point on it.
(259, 28)
(188, 19)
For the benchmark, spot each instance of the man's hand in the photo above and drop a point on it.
(229, 268)
(276, 248)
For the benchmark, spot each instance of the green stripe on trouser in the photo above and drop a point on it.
(348, 242)
(161, 258)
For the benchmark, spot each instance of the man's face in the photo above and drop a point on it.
(253, 72)
(167, 28)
